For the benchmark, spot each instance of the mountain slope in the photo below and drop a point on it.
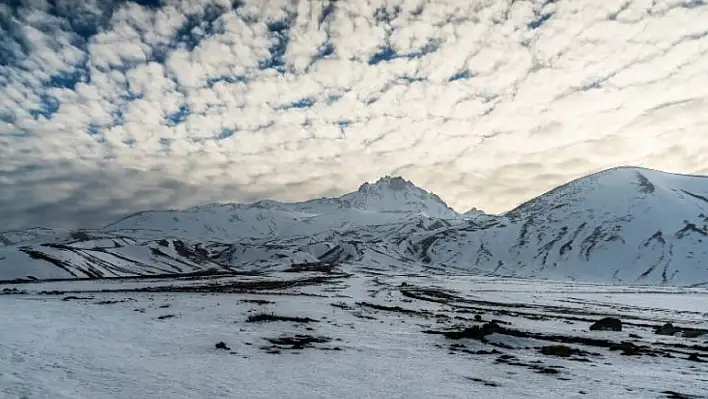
(624, 224)
(386, 201)
(628, 225)
(95, 255)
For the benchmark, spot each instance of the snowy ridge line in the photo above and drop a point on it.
(622, 226)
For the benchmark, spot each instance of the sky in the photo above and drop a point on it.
(112, 107)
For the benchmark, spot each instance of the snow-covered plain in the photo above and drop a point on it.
(156, 338)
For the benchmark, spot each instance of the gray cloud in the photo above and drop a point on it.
(114, 107)
(70, 195)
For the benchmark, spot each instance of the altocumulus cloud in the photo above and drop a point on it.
(109, 107)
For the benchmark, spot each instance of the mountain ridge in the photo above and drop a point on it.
(623, 224)
(395, 183)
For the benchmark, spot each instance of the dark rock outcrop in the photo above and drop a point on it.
(607, 324)
(666, 329)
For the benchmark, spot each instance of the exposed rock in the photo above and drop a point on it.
(298, 341)
(222, 345)
(557, 350)
(692, 333)
(678, 395)
(666, 329)
(79, 236)
(264, 317)
(482, 381)
(694, 357)
(627, 348)
(72, 297)
(474, 332)
(607, 324)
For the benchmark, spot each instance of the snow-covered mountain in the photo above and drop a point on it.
(13, 237)
(387, 201)
(624, 224)
(628, 225)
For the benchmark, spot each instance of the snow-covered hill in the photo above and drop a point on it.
(624, 224)
(628, 225)
(37, 233)
(387, 201)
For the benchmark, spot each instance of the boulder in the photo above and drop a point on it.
(607, 324)
(666, 329)
(557, 350)
(627, 348)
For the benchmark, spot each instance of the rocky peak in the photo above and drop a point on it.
(395, 183)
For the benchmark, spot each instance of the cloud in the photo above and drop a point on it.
(73, 195)
(111, 107)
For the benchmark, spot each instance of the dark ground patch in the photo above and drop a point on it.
(607, 324)
(114, 301)
(257, 301)
(480, 332)
(396, 309)
(321, 267)
(537, 367)
(519, 310)
(12, 291)
(677, 395)
(341, 305)
(251, 286)
(222, 345)
(77, 298)
(294, 342)
(475, 332)
(266, 317)
(561, 351)
(483, 381)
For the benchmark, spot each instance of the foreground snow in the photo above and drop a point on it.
(104, 339)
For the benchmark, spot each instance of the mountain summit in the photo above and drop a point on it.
(396, 194)
(389, 200)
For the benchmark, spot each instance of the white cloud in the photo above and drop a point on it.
(485, 103)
